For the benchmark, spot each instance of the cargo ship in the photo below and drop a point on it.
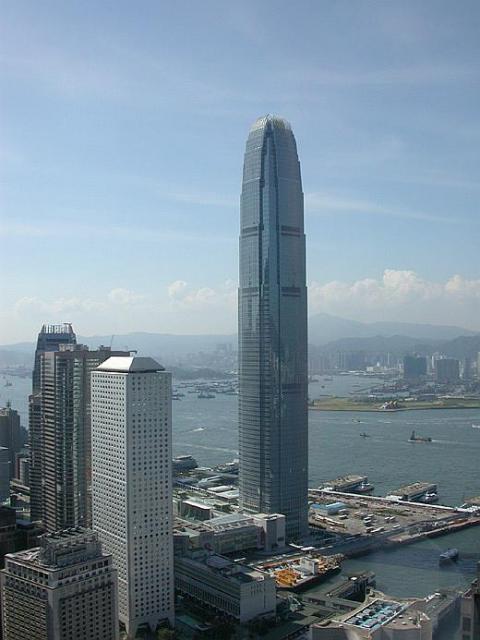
(298, 574)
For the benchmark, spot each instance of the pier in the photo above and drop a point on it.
(414, 491)
(366, 523)
(350, 483)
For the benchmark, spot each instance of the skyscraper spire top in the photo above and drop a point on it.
(273, 120)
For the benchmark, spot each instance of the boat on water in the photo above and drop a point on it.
(415, 438)
(364, 487)
(450, 555)
(184, 463)
(205, 395)
(364, 435)
(8, 384)
(301, 573)
(475, 426)
(428, 498)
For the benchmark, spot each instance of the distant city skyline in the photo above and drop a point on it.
(123, 136)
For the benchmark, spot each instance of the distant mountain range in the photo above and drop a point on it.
(325, 331)
(461, 347)
(323, 328)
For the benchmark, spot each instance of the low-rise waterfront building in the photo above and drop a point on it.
(229, 533)
(378, 618)
(225, 587)
(272, 527)
(470, 610)
(66, 589)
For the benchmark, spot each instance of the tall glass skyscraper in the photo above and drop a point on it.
(273, 375)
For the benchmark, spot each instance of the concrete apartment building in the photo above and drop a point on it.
(66, 589)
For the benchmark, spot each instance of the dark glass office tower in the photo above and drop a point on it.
(273, 376)
(60, 428)
(49, 339)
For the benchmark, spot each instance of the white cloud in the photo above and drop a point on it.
(400, 293)
(121, 296)
(75, 305)
(458, 286)
(176, 290)
(33, 304)
(182, 295)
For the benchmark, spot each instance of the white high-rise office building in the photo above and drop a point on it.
(132, 484)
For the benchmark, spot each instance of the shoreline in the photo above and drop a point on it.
(366, 409)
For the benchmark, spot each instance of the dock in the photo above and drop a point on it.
(366, 523)
(350, 483)
(415, 491)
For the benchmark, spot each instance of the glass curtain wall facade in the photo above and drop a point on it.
(49, 339)
(273, 378)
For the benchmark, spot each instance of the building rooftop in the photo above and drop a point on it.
(276, 121)
(375, 614)
(62, 328)
(62, 548)
(226, 568)
(130, 364)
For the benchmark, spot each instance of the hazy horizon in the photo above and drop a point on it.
(233, 333)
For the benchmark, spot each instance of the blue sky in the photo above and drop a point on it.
(123, 130)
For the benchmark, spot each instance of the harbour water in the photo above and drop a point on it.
(207, 429)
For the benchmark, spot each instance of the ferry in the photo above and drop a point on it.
(350, 484)
(450, 555)
(415, 438)
(429, 498)
(413, 492)
(364, 487)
